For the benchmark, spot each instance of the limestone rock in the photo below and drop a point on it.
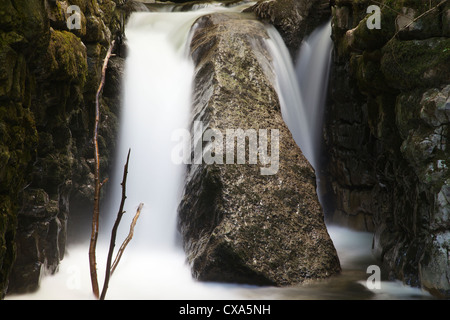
(239, 225)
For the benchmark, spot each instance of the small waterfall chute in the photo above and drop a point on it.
(303, 88)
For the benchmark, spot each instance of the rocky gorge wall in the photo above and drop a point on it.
(387, 133)
(48, 80)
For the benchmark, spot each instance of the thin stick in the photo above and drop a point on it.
(97, 185)
(114, 229)
(419, 17)
(128, 238)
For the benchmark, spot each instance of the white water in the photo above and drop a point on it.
(157, 101)
(303, 87)
(312, 70)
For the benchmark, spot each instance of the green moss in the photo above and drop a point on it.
(32, 23)
(67, 57)
(372, 39)
(8, 15)
(416, 63)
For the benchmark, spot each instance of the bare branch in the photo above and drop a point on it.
(128, 238)
(97, 185)
(419, 17)
(114, 229)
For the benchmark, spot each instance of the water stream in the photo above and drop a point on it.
(157, 92)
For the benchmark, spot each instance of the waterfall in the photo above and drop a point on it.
(302, 92)
(313, 70)
(303, 88)
(157, 101)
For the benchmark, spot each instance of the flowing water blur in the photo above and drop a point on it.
(157, 91)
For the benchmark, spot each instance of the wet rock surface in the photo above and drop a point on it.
(238, 225)
(293, 19)
(48, 80)
(387, 136)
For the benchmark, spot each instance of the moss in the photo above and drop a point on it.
(372, 39)
(31, 22)
(8, 15)
(416, 63)
(67, 57)
(366, 69)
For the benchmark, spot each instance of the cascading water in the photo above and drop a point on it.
(157, 93)
(303, 87)
(312, 70)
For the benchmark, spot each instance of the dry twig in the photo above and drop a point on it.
(128, 238)
(420, 16)
(97, 184)
(114, 229)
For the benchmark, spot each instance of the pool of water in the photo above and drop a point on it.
(143, 275)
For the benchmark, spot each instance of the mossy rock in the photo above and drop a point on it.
(412, 64)
(7, 61)
(410, 26)
(43, 80)
(89, 7)
(67, 57)
(435, 106)
(58, 17)
(366, 69)
(294, 19)
(31, 22)
(395, 15)
(17, 146)
(8, 15)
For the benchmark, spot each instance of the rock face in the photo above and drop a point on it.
(48, 81)
(387, 136)
(294, 19)
(239, 225)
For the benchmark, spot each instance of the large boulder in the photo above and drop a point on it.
(256, 223)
